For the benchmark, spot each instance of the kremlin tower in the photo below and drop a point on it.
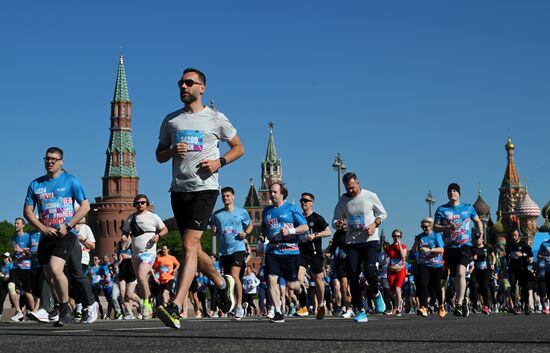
(120, 180)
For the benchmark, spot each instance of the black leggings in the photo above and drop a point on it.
(428, 278)
(482, 278)
(362, 258)
(514, 275)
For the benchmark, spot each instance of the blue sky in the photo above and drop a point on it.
(413, 94)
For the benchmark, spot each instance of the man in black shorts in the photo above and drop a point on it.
(55, 195)
(311, 253)
(190, 137)
(232, 225)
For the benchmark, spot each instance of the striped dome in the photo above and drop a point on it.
(527, 207)
(481, 206)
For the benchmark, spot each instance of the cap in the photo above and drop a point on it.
(6, 254)
(453, 186)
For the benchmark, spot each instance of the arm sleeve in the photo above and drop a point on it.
(379, 210)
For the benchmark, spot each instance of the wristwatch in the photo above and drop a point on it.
(68, 227)
(223, 162)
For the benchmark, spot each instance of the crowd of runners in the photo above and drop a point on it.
(448, 268)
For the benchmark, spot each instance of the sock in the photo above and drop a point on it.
(302, 297)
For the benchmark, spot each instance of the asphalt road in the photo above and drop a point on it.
(477, 333)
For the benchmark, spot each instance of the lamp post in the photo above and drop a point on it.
(339, 167)
(430, 201)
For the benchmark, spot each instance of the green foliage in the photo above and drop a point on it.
(6, 232)
(173, 241)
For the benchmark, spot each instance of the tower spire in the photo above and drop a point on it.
(121, 88)
(271, 154)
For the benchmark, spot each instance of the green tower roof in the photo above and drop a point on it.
(121, 88)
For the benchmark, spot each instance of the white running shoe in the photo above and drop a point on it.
(348, 314)
(239, 312)
(271, 313)
(18, 316)
(40, 315)
(92, 313)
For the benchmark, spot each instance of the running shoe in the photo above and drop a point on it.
(53, 315)
(198, 314)
(348, 314)
(302, 311)
(458, 311)
(320, 313)
(398, 313)
(169, 315)
(516, 310)
(485, 310)
(65, 316)
(93, 313)
(226, 298)
(147, 312)
(239, 312)
(337, 311)
(379, 303)
(271, 313)
(546, 310)
(18, 316)
(245, 308)
(77, 316)
(292, 311)
(118, 315)
(40, 315)
(423, 311)
(465, 309)
(442, 311)
(361, 317)
(278, 318)
(129, 317)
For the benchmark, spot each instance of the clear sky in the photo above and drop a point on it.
(413, 94)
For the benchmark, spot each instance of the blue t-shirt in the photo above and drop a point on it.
(462, 214)
(276, 218)
(35, 240)
(229, 224)
(6, 268)
(430, 259)
(21, 259)
(544, 250)
(55, 198)
(95, 275)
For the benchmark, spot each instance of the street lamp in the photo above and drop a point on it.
(339, 167)
(431, 201)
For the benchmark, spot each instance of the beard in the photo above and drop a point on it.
(189, 98)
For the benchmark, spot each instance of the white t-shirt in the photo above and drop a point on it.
(87, 232)
(202, 131)
(360, 212)
(148, 222)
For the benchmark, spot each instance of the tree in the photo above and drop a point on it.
(173, 241)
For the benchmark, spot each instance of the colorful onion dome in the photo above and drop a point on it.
(527, 207)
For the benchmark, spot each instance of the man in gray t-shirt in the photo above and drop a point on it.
(190, 137)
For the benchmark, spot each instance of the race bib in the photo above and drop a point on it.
(356, 222)
(193, 138)
(55, 210)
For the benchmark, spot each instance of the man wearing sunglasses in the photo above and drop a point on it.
(55, 195)
(311, 254)
(190, 138)
(453, 220)
(362, 212)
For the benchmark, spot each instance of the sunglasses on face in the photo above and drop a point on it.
(305, 200)
(51, 159)
(137, 203)
(424, 227)
(188, 83)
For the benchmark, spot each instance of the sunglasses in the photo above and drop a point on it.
(51, 159)
(136, 203)
(424, 227)
(188, 83)
(305, 200)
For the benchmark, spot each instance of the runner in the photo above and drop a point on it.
(282, 223)
(311, 254)
(484, 263)
(55, 195)
(429, 266)
(363, 213)
(145, 229)
(190, 138)
(232, 225)
(397, 272)
(453, 219)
